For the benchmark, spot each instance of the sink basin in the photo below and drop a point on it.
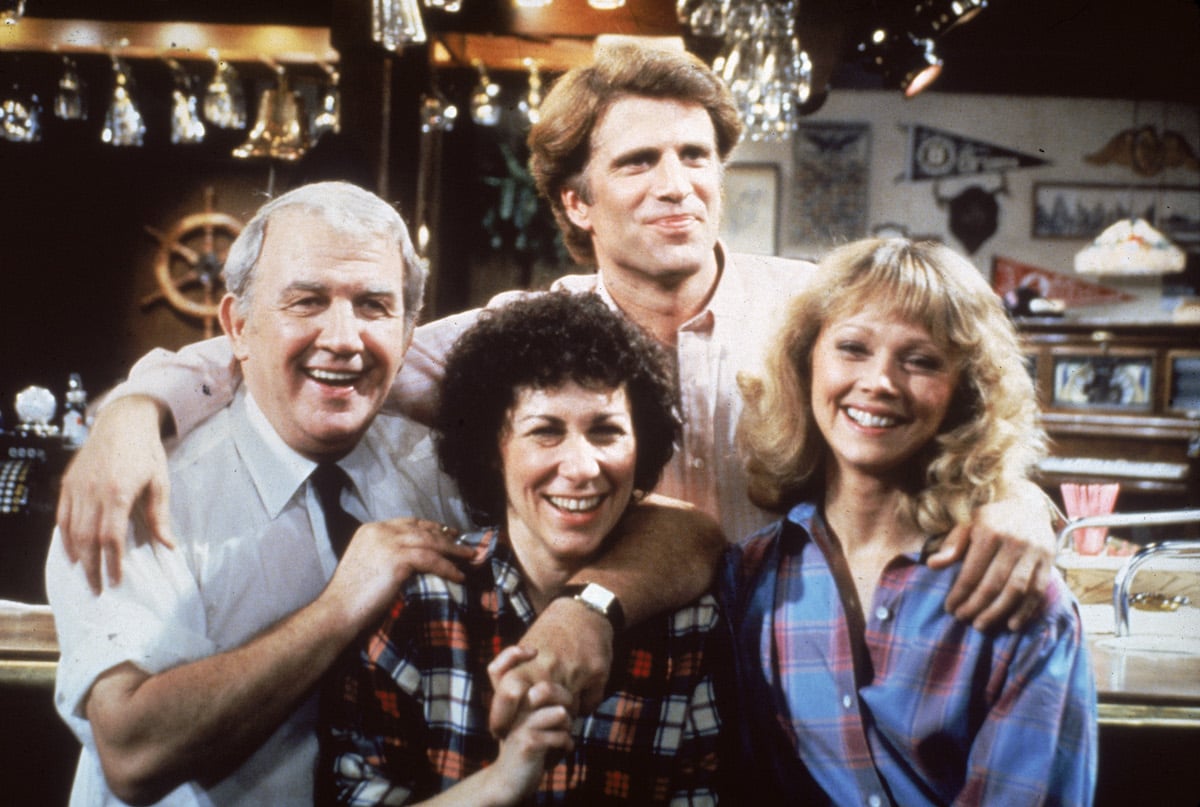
(1174, 632)
(1158, 662)
(1152, 644)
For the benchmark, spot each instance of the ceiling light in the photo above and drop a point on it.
(908, 62)
(936, 17)
(918, 68)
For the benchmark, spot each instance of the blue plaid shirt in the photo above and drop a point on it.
(938, 713)
(406, 718)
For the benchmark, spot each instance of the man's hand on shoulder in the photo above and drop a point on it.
(1009, 553)
(381, 556)
(122, 466)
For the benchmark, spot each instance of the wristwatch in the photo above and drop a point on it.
(599, 599)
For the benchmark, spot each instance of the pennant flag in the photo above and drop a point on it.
(1009, 275)
(938, 154)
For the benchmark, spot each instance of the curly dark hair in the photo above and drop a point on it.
(542, 342)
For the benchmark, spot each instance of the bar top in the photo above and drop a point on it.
(1135, 685)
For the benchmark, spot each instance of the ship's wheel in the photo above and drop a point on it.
(189, 261)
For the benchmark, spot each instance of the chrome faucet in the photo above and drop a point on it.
(1162, 549)
(1124, 578)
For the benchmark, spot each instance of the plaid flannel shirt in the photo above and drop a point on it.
(947, 715)
(406, 717)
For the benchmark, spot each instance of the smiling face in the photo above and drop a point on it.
(652, 202)
(322, 335)
(881, 387)
(568, 457)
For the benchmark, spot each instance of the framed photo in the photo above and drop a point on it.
(750, 221)
(1121, 382)
(1183, 386)
(1082, 210)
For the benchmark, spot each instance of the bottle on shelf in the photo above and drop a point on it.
(75, 424)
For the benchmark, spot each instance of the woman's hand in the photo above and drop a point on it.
(570, 646)
(543, 728)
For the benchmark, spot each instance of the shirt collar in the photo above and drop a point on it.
(804, 523)
(493, 550)
(728, 300)
(276, 469)
(732, 295)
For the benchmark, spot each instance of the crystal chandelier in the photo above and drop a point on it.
(761, 60)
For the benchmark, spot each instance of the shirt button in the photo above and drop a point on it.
(697, 463)
(882, 613)
(875, 800)
(847, 701)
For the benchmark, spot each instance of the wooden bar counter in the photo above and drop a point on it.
(1134, 688)
(28, 647)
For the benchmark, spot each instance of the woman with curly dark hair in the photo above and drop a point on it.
(555, 413)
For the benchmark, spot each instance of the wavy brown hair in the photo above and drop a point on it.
(560, 143)
(990, 436)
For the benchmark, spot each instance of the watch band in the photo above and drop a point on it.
(599, 599)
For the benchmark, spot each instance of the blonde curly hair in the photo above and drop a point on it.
(990, 436)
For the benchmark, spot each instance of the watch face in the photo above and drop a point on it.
(597, 596)
(1101, 382)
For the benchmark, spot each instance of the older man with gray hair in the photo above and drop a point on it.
(191, 681)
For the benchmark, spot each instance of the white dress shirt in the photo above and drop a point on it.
(251, 549)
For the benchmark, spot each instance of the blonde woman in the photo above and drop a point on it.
(895, 402)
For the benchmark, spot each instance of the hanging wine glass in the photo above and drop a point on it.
(20, 118)
(186, 126)
(11, 11)
(123, 125)
(531, 103)
(484, 109)
(449, 6)
(396, 23)
(329, 117)
(224, 100)
(69, 101)
(437, 114)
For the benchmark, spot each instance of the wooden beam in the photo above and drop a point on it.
(176, 40)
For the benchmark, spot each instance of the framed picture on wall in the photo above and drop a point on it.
(1082, 210)
(831, 172)
(750, 221)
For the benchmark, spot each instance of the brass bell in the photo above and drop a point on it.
(281, 128)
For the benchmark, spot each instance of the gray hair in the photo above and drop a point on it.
(348, 209)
